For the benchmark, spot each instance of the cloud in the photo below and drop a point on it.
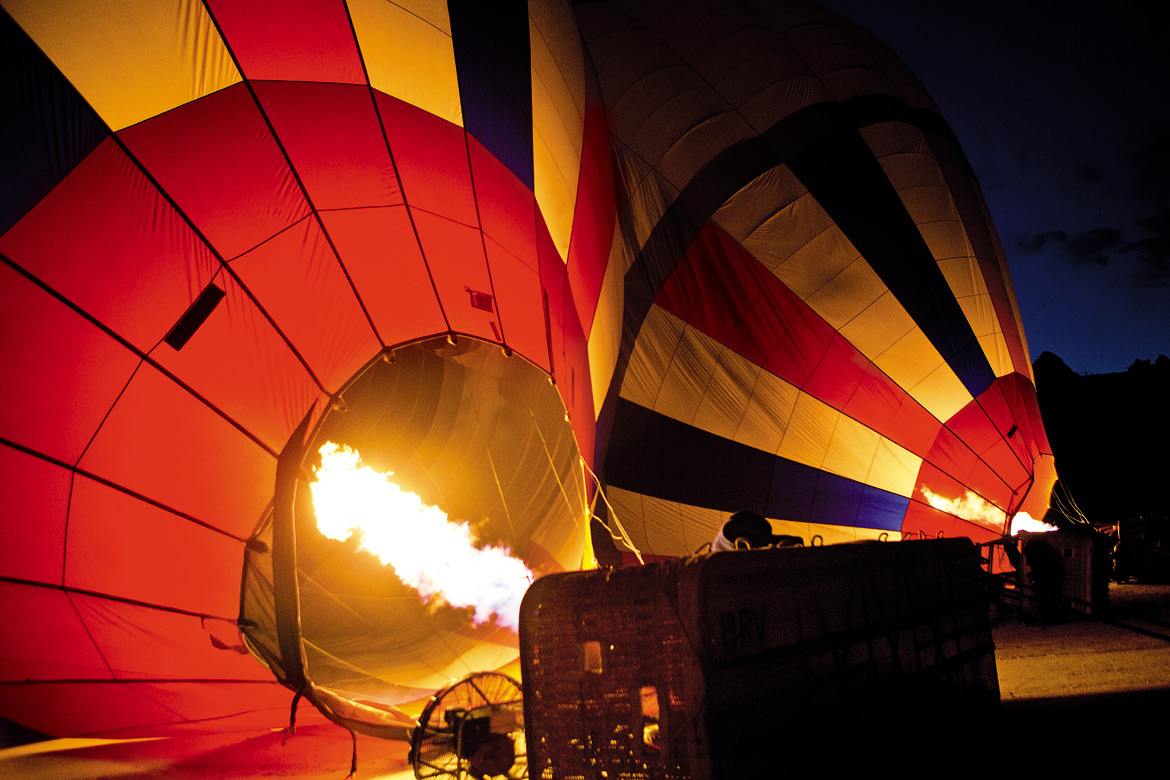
(1152, 251)
(1091, 246)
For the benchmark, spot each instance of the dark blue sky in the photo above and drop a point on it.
(1063, 109)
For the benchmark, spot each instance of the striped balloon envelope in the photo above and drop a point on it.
(819, 324)
(546, 266)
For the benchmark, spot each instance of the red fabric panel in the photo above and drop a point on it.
(972, 425)
(163, 443)
(41, 374)
(431, 156)
(999, 411)
(241, 366)
(594, 218)
(568, 346)
(303, 40)
(106, 240)
(923, 520)
(216, 158)
(520, 303)
(964, 498)
(32, 533)
(455, 257)
(554, 281)
(952, 456)
(122, 546)
(723, 291)
(380, 252)
(140, 642)
(128, 710)
(1020, 395)
(507, 208)
(332, 135)
(44, 638)
(574, 385)
(302, 287)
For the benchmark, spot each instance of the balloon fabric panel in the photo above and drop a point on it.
(36, 495)
(297, 40)
(132, 61)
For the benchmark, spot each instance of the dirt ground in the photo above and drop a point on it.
(1082, 693)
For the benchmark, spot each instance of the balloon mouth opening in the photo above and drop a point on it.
(472, 430)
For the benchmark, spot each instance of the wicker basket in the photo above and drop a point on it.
(737, 663)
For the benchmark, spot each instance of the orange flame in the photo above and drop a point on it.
(970, 507)
(428, 552)
(1024, 522)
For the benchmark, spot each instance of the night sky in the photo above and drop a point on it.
(1063, 109)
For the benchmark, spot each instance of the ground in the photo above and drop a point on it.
(1077, 694)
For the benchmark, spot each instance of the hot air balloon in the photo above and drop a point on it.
(644, 264)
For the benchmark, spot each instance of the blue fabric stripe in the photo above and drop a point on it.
(659, 456)
(47, 129)
(493, 58)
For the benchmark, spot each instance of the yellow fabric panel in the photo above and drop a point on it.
(789, 231)
(894, 468)
(887, 335)
(724, 406)
(770, 407)
(814, 264)
(810, 429)
(829, 534)
(700, 525)
(652, 525)
(758, 201)
(688, 377)
(605, 334)
(652, 356)
(433, 12)
(847, 294)
(939, 391)
(558, 115)
(878, 327)
(408, 56)
(658, 526)
(130, 60)
(851, 450)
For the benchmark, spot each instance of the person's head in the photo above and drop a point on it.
(745, 528)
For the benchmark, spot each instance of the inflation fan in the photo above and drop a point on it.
(472, 728)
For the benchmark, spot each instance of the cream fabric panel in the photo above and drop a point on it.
(410, 55)
(130, 60)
